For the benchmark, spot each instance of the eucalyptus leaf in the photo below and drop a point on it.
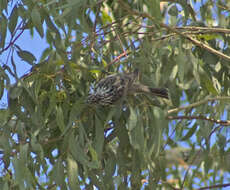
(13, 20)
(36, 19)
(27, 56)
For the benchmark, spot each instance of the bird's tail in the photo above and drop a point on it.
(161, 92)
(139, 88)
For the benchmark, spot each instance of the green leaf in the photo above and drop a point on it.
(76, 110)
(154, 8)
(13, 20)
(3, 6)
(52, 104)
(110, 166)
(15, 92)
(221, 142)
(174, 72)
(3, 29)
(99, 137)
(36, 147)
(159, 123)
(19, 169)
(136, 136)
(113, 112)
(181, 61)
(132, 122)
(52, 26)
(60, 118)
(190, 132)
(173, 11)
(206, 82)
(95, 161)
(72, 171)
(24, 152)
(26, 56)
(58, 173)
(4, 114)
(207, 37)
(77, 151)
(36, 19)
(45, 54)
(105, 17)
(135, 130)
(208, 163)
(4, 143)
(1, 86)
(6, 186)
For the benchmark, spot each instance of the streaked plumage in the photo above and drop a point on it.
(113, 87)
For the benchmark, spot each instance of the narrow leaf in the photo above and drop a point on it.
(72, 171)
(191, 131)
(27, 56)
(132, 119)
(36, 19)
(3, 29)
(13, 20)
(99, 137)
(60, 118)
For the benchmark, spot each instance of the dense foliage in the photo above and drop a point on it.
(50, 138)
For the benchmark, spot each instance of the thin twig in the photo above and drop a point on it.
(223, 7)
(118, 58)
(217, 121)
(204, 29)
(121, 44)
(196, 104)
(95, 25)
(13, 40)
(214, 186)
(194, 41)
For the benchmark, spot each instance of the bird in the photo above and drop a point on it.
(114, 87)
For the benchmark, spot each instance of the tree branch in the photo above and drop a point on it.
(196, 104)
(13, 38)
(214, 186)
(194, 41)
(125, 53)
(217, 121)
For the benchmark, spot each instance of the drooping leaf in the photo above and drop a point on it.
(190, 132)
(13, 20)
(72, 173)
(99, 138)
(60, 118)
(58, 174)
(3, 30)
(132, 119)
(206, 82)
(26, 56)
(36, 19)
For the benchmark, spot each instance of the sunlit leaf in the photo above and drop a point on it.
(72, 173)
(106, 18)
(132, 119)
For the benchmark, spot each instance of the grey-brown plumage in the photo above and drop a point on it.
(113, 87)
